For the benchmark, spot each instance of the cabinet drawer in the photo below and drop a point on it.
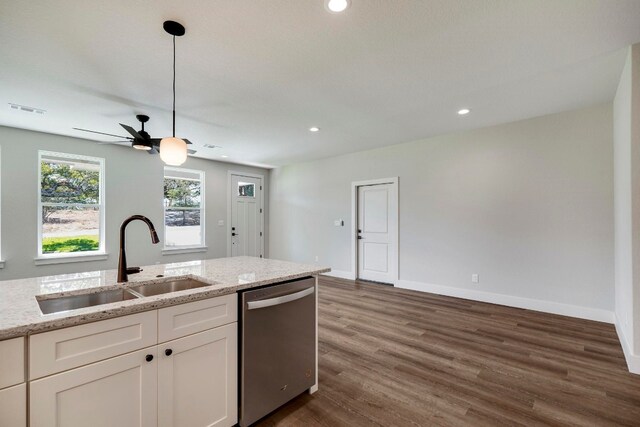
(13, 406)
(12, 366)
(186, 319)
(68, 348)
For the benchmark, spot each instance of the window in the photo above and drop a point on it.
(246, 189)
(183, 208)
(1, 261)
(70, 205)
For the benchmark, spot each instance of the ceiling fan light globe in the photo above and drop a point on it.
(173, 151)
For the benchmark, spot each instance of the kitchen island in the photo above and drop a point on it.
(165, 359)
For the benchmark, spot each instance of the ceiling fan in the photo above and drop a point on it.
(140, 140)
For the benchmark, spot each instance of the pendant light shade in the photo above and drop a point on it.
(173, 151)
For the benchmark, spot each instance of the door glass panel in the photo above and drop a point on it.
(246, 189)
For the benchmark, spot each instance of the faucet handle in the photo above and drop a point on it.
(133, 270)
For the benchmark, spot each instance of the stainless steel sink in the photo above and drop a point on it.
(151, 289)
(73, 302)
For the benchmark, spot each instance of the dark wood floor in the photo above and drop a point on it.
(396, 357)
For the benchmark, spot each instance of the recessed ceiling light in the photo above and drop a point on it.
(224, 156)
(337, 6)
(314, 129)
(464, 111)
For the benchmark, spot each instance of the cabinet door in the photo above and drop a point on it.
(198, 379)
(13, 406)
(121, 391)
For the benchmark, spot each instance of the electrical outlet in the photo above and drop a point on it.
(338, 223)
(475, 278)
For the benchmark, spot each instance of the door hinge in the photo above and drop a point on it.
(261, 187)
(260, 255)
(261, 234)
(260, 210)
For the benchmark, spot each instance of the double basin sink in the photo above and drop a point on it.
(74, 302)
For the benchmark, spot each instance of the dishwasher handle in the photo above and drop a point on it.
(253, 305)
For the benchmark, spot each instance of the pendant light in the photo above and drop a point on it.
(173, 151)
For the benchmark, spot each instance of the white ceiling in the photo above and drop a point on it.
(254, 75)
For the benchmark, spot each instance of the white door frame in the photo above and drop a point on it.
(230, 202)
(395, 267)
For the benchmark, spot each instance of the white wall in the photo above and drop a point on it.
(527, 205)
(134, 185)
(627, 207)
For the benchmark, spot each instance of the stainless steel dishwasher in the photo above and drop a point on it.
(278, 346)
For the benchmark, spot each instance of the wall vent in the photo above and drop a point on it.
(26, 109)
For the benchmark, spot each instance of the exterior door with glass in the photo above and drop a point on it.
(246, 216)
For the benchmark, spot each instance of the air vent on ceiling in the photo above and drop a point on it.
(26, 109)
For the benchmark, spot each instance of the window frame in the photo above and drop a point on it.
(1, 259)
(71, 256)
(202, 246)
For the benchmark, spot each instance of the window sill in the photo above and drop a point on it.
(47, 260)
(179, 250)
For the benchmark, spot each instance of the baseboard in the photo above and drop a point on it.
(633, 360)
(513, 301)
(340, 274)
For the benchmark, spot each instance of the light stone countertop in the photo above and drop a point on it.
(20, 314)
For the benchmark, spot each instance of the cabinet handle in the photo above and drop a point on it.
(149, 357)
(168, 352)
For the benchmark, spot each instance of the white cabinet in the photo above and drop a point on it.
(12, 366)
(99, 374)
(197, 379)
(121, 391)
(13, 389)
(13, 406)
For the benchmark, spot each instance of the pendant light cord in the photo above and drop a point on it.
(174, 86)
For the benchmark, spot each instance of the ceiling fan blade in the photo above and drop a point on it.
(155, 141)
(187, 141)
(192, 152)
(114, 143)
(100, 133)
(132, 131)
(153, 151)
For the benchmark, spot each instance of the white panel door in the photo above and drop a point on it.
(121, 391)
(198, 379)
(246, 216)
(377, 219)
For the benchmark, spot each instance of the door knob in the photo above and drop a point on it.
(360, 237)
(168, 352)
(149, 357)
(234, 234)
